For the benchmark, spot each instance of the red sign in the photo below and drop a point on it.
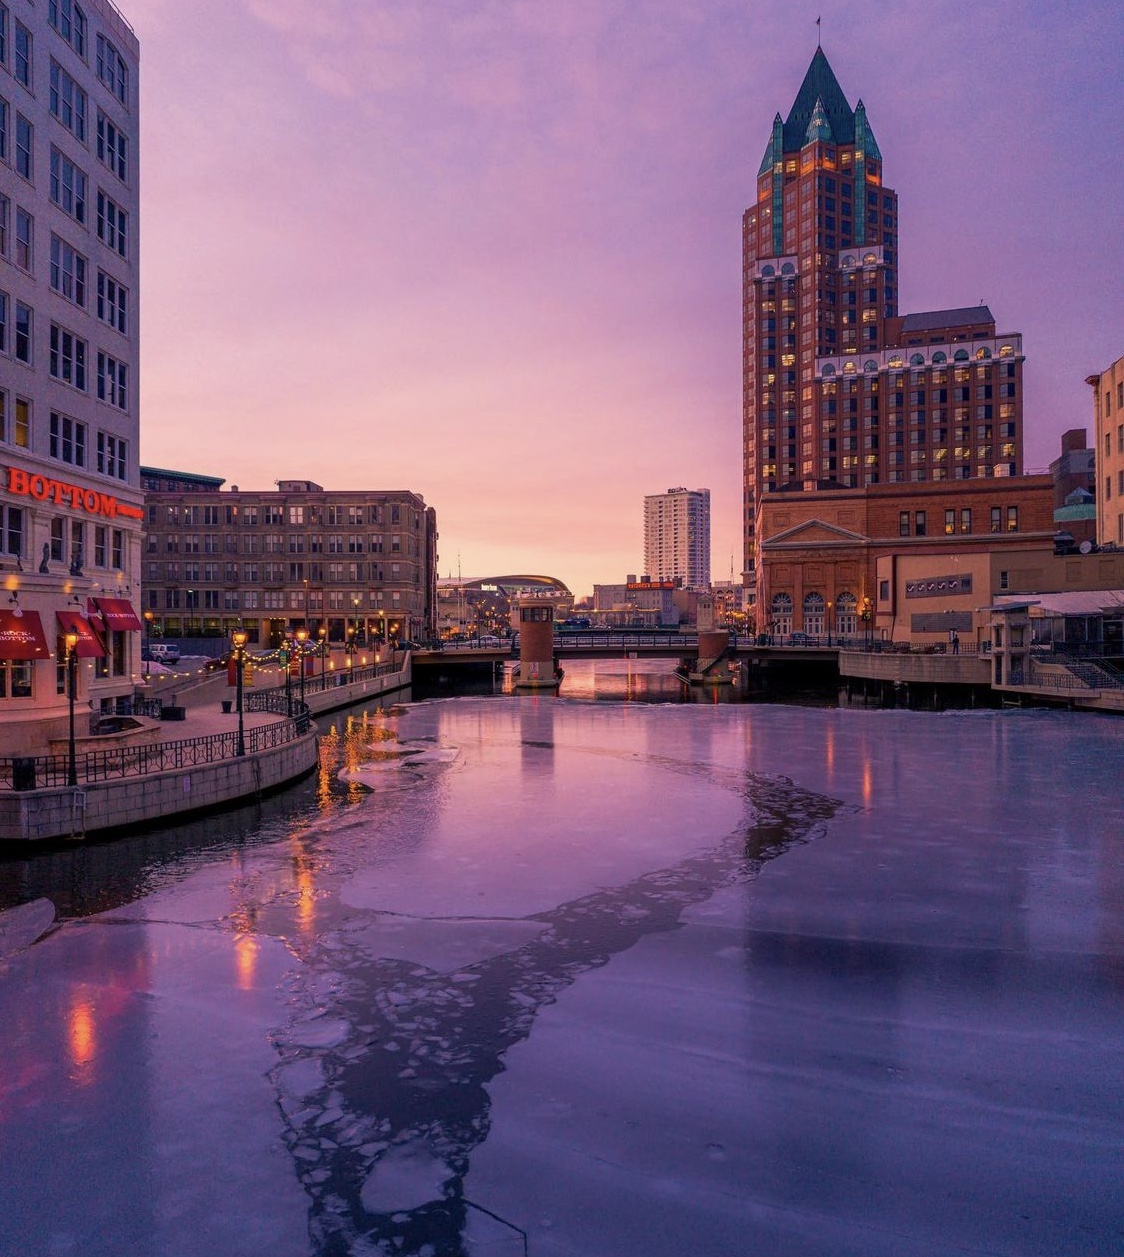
(27, 484)
(89, 645)
(21, 636)
(117, 614)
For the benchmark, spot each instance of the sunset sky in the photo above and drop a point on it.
(490, 251)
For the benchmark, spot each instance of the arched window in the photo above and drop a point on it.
(780, 615)
(982, 354)
(788, 269)
(848, 260)
(814, 615)
(828, 369)
(916, 360)
(846, 615)
(870, 259)
(939, 357)
(897, 361)
(1005, 351)
(849, 367)
(768, 271)
(961, 355)
(870, 365)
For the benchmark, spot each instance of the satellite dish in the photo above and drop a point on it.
(1086, 547)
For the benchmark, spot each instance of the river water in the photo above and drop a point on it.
(568, 977)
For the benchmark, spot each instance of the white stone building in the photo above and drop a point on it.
(70, 498)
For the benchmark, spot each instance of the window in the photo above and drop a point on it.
(24, 133)
(22, 346)
(919, 524)
(68, 357)
(68, 186)
(68, 439)
(949, 521)
(3, 126)
(68, 102)
(112, 381)
(70, 22)
(113, 455)
(21, 65)
(11, 530)
(112, 70)
(3, 34)
(113, 302)
(966, 519)
(113, 147)
(68, 271)
(903, 523)
(996, 519)
(112, 223)
(296, 515)
(100, 532)
(1012, 519)
(3, 322)
(15, 678)
(21, 432)
(58, 539)
(5, 210)
(25, 240)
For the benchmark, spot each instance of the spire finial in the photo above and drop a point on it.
(818, 43)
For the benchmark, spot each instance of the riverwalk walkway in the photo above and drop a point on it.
(181, 748)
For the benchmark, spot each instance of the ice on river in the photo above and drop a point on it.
(585, 979)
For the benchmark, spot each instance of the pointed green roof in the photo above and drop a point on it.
(819, 89)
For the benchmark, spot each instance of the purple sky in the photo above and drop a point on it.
(490, 251)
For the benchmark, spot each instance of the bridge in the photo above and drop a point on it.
(636, 643)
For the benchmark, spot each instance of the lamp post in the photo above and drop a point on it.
(868, 622)
(322, 634)
(829, 605)
(302, 638)
(239, 637)
(287, 656)
(71, 685)
(148, 646)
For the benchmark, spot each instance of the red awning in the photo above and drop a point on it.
(21, 636)
(90, 645)
(117, 613)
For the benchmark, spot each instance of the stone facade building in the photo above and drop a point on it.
(360, 563)
(70, 499)
(1108, 416)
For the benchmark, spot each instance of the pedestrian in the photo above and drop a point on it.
(955, 642)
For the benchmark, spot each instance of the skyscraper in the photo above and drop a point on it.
(677, 537)
(839, 389)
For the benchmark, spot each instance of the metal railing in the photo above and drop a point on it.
(34, 772)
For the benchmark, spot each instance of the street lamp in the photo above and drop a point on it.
(71, 685)
(239, 637)
(868, 622)
(148, 646)
(286, 654)
(829, 605)
(322, 633)
(302, 637)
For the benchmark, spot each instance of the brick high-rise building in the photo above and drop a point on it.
(839, 389)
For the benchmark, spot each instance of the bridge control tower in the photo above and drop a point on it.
(533, 619)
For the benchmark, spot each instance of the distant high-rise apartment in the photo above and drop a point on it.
(1108, 412)
(838, 388)
(677, 537)
(70, 499)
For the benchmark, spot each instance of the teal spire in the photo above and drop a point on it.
(774, 150)
(820, 88)
(819, 128)
(864, 136)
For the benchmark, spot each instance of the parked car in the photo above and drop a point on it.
(164, 652)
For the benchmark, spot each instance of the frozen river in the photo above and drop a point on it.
(524, 975)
